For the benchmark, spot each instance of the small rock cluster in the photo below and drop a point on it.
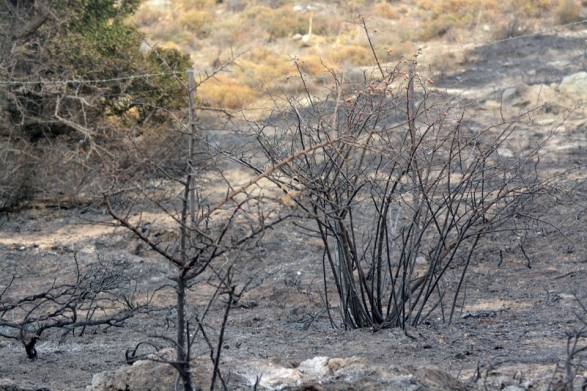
(324, 373)
(318, 373)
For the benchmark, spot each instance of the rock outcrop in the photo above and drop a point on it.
(323, 373)
(318, 373)
(575, 85)
(143, 375)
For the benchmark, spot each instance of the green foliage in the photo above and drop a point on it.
(88, 40)
(142, 98)
(83, 14)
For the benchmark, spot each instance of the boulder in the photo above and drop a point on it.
(341, 374)
(575, 86)
(141, 376)
(151, 375)
(509, 94)
(318, 373)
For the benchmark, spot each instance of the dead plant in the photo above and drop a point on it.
(401, 193)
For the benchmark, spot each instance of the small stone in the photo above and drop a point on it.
(509, 94)
(281, 378)
(522, 104)
(504, 152)
(336, 363)
(575, 85)
(492, 105)
(315, 368)
(546, 122)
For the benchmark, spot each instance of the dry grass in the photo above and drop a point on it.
(385, 10)
(223, 91)
(534, 8)
(197, 22)
(264, 31)
(440, 17)
(147, 16)
(351, 55)
(315, 65)
(198, 5)
(568, 11)
(287, 22)
(262, 65)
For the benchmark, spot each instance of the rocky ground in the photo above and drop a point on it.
(512, 333)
